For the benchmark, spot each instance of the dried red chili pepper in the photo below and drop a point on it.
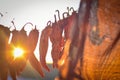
(43, 46)
(33, 39)
(4, 52)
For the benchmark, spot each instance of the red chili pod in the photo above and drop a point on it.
(44, 44)
(33, 39)
(4, 52)
(55, 38)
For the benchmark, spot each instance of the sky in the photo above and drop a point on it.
(39, 12)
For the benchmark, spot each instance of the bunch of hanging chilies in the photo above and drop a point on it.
(19, 39)
(28, 43)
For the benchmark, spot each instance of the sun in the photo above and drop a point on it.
(18, 52)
